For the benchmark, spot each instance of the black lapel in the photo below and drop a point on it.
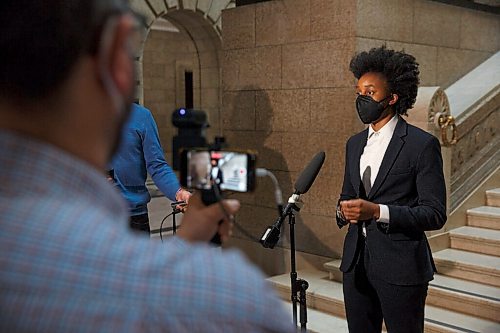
(392, 152)
(356, 156)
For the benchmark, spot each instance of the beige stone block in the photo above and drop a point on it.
(245, 61)
(210, 77)
(157, 96)
(317, 64)
(142, 8)
(332, 19)
(278, 22)
(151, 70)
(271, 158)
(203, 6)
(189, 4)
(209, 98)
(157, 57)
(259, 68)
(208, 59)
(172, 4)
(197, 98)
(333, 111)
(254, 221)
(152, 83)
(158, 6)
(214, 120)
(169, 74)
(479, 31)
(385, 19)
(283, 110)
(240, 32)
(216, 9)
(334, 148)
(318, 235)
(211, 43)
(298, 150)
(426, 57)
(231, 69)
(267, 145)
(238, 110)
(436, 24)
(267, 73)
(452, 64)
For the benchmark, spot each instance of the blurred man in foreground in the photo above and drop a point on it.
(67, 258)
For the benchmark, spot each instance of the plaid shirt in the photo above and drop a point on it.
(69, 264)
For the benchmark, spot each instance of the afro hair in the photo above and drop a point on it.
(399, 69)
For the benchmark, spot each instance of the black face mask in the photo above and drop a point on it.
(370, 110)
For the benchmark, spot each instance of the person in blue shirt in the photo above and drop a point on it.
(140, 152)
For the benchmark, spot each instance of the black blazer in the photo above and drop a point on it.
(411, 183)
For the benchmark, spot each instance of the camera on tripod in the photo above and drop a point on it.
(203, 166)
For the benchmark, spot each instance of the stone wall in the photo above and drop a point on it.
(166, 55)
(448, 41)
(199, 22)
(288, 94)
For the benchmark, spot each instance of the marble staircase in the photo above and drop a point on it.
(463, 297)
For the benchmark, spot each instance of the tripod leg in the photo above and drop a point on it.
(302, 287)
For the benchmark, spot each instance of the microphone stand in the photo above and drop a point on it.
(298, 286)
(175, 211)
(272, 235)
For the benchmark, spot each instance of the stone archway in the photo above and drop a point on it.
(199, 22)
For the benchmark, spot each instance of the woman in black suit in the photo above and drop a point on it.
(393, 191)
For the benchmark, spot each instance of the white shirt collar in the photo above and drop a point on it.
(387, 130)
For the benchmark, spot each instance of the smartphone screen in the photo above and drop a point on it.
(232, 171)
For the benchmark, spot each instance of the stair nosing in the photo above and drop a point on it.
(470, 285)
(484, 211)
(430, 318)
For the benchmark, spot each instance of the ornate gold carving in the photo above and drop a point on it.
(447, 122)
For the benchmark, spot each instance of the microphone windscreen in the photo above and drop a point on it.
(307, 177)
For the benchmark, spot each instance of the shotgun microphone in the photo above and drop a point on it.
(302, 185)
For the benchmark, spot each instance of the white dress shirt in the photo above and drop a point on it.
(372, 156)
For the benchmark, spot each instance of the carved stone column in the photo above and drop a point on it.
(430, 110)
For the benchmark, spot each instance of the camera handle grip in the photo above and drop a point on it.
(210, 197)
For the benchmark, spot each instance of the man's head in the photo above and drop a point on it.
(60, 57)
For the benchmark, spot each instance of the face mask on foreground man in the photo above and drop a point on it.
(67, 256)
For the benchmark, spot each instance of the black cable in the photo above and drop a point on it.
(232, 218)
(161, 225)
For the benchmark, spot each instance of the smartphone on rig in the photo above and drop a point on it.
(214, 171)
(202, 169)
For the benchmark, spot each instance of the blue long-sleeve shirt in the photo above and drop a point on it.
(140, 152)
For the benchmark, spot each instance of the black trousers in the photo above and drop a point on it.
(369, 300)
(140, 223)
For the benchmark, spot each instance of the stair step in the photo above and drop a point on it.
(464, 296)
(493, 197)
(484, 217)
(327, 296)
(454, 294)
(479, 240)
(323, 294)
(333, 268)
(320, 322)
(471, 266)
(442, 320)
